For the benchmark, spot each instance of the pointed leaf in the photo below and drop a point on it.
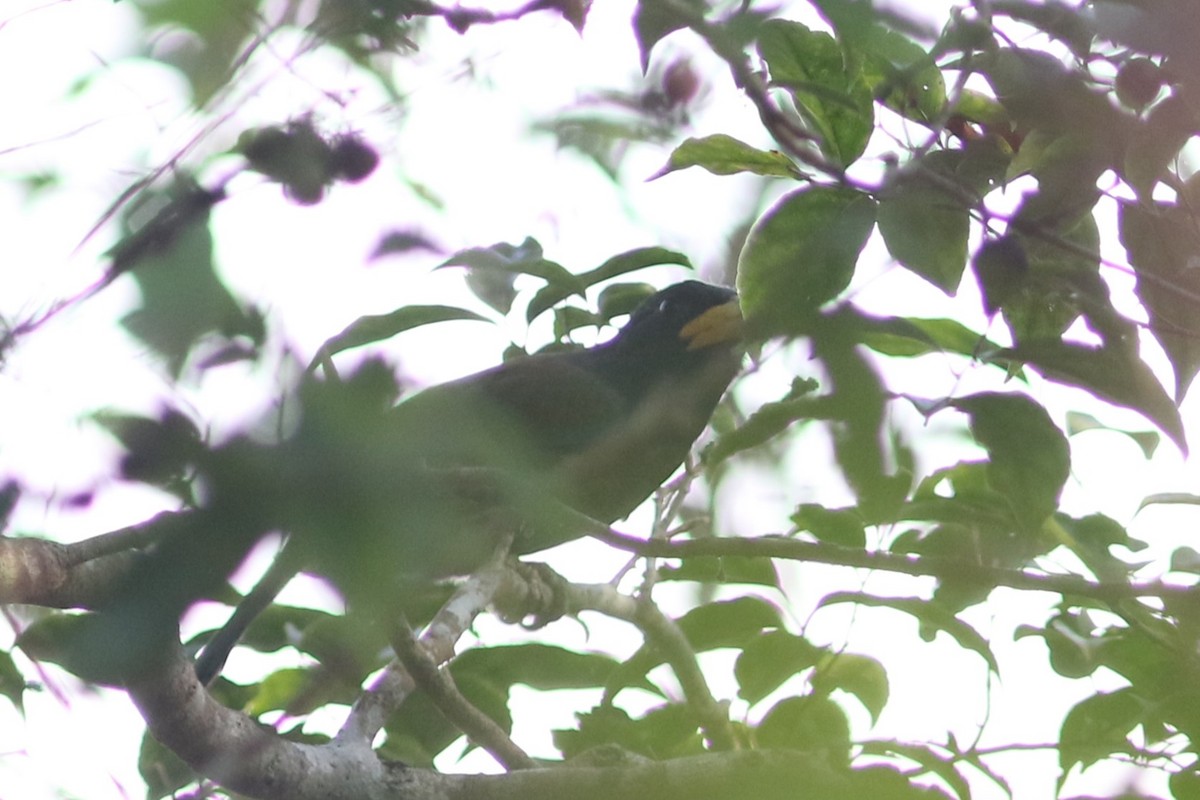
(829, 91)
(800, 254)
(1109, 372)
(931, 615)
(724, 155)
(378, 327)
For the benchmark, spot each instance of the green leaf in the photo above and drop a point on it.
(1039, 91)
(723, 570)
(1163, 247)
(664, 732)
(1029, 459)
(538, 666)
(1114, 374)
(655, 19)
(164, 772)
(907, 337)
(1097, 727)
(902, 75)
(932, 616)
(728, 623)
(934, 763)
(844, 526)
(770, 420)
(1061, 281)
(1156, 142)
(171, 258)
(810, 723)
(621, 264)
(862, 676)
(831, 94)
(378, 327)
(800, 254)
(923, 225)
(771, 659)
(724, 155)
(12, 682)
(523, 259)
(1078, 422)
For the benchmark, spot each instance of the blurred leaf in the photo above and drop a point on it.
(1163, 247)
(164, 772)
(843, 526)
(862, 676)
(1002, 268)
(1156, 142)
(494, 287)
(12, 682)
(619, 299)
(771, 659)
(1078, 422)
(621, 264)
(812, 723)
(724, 155)
(770, 420)
(378, 327)
(653, 20)
(932, 616)
(1110, 373)
(538, 666)
(1029, 459)
(723, 570)
(171, 259)
(523, 259)
(857, 399)
(56, 638)
(1040, 91)
(400, 242)
(1097, 727)
(1062, 280)
(663, 732)
(933, 763)
(800, 254)
(209, 63)
(729, 623)
(831, 94)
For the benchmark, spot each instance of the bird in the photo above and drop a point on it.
(596, 430)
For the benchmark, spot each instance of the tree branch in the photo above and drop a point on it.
(662, 632)
(439, 685)
(926, 566)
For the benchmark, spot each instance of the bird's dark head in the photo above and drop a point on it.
(683, 321)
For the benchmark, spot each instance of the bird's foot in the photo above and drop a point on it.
(535, 595)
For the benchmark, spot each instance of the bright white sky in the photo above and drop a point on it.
(309, 267)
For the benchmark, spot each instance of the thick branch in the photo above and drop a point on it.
(244, 757)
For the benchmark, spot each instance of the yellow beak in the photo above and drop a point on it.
(718, 325)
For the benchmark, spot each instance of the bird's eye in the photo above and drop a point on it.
(664, 306)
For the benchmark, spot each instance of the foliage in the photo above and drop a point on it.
(1015, 161)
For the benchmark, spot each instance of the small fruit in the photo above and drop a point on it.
(1139, 80)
